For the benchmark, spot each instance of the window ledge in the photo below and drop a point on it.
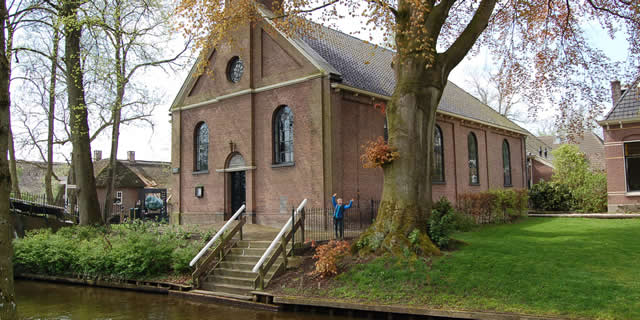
(508, 186)
(632, 193)
(195, 173)
(438, 182)
(474, 184)
(284, 164)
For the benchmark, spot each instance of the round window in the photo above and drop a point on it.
(235, 68)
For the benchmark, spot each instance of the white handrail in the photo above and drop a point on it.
(218, 235)
(275, 241)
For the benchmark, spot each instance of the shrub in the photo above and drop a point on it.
(137, 251)
(477, 205)
(327, 257)
(500, 205)
(509, 204)
(441, 222)
(551, 196)
(463, 222)
(588, 187)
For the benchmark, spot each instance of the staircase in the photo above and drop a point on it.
(232, 277)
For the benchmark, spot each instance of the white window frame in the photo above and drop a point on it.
(118, 199)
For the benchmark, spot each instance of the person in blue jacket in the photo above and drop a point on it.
(338, 215)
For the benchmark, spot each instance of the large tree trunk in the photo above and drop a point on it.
(88, 204)
(7, 295)
(52, 109)
(406, 197)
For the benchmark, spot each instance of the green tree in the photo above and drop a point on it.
(588, 187)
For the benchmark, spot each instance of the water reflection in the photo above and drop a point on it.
(41, 300)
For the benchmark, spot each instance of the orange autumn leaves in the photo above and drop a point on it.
(378, 153)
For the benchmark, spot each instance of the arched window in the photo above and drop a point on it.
(437, 168)
(474, 173)
(506, 163)
(201, 147)
(283, 135)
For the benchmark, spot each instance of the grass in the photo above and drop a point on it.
(567, 267)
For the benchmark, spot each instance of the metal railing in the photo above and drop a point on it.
(217, 236)
(263, 266)
(319, 222)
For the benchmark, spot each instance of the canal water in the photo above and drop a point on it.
(42, 300)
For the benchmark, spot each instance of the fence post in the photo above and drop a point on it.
(302, 224)
(293, 232)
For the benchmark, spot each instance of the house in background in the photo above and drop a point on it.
(539, 160)
(281, 119)
(134, 180)
(589, 143)
(621, 127)
(31, 176)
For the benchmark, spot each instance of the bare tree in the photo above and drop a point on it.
(135, 32)
(7, 295)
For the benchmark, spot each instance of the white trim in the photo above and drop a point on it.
(119, 197)
(248, 91)
(236, 169)
(632, 194)
(607, 144)
(383, 97)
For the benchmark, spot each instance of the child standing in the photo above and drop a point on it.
(338, 215)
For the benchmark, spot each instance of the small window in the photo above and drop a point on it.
(506, 163)
(386, 130)
(201, 147)
(283, 135)
(235, 69)
(118, 199)
(632, 165)
(437, 168)
(472, 145)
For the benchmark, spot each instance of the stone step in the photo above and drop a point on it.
(253, 244)
(248, 251)
(236, 281)
(223, 294)
(234, 273)
(241, 258)
(227, 288)
(236, 265)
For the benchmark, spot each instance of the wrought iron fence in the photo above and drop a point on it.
(319, 222)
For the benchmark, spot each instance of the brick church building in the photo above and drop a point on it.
(281, 119)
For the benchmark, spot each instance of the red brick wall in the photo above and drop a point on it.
(358, 122)
(129, 197)
(540, 171)
(329, 127)
(614, 139)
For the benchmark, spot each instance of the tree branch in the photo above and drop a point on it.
(469, 36)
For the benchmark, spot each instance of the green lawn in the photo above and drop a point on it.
(568, 267)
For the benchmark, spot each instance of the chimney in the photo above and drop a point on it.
(131, 156)
(97, 155)
(616, 91)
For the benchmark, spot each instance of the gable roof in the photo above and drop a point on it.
(627, 107)
(365, 66)
(137, 174)
(590, 144)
